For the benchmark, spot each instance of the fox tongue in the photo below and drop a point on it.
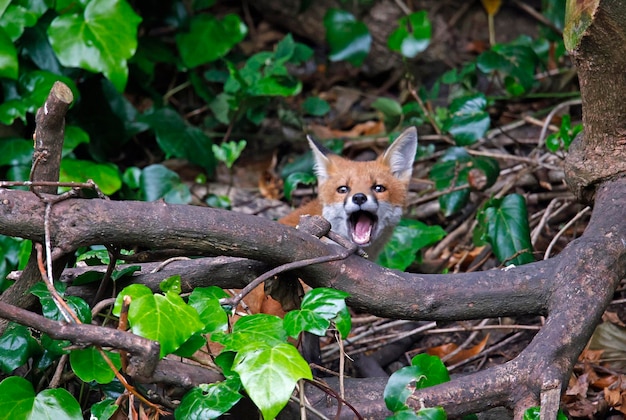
(362, 229)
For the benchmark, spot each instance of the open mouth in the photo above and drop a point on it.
(361, 225)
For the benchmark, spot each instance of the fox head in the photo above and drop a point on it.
(363, 201)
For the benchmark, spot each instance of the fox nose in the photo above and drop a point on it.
(359, 198)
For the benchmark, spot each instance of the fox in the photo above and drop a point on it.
(362, 200)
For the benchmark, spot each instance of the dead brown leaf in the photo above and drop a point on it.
(446, 349)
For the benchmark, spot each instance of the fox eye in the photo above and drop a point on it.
(379, 188)
(343, 189)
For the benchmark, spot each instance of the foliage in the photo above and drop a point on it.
(128, 119)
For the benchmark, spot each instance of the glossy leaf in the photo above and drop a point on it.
(469, 120)
(134, 291)
(503, 223)
(171, 284)
(158, 182)
(209, 401)
(516, 60)
(20, 15)
(210, 38)
(205, 300)
(412, 35)
(259, 328)
(8, 57)
(51, 310)
(103, 410)
(19, 401)
(179, 139)
(533, 413)
(228, 152)
(409, 237)
(100, 39)
(280, 365)
(318, 308)
(16, 152)
(425, 371)
(296, 178)
(106, 175)
(315, 106)
(17, 345)
(163, 318)
(348, 38)
(74, 136)
(89, 365)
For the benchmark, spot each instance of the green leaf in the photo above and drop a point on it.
(20, 15)
(8, 57)
(425, 371)
(408, 238)
(159, 182)
(280, 365)
(171, 284)
(258, 328)
(134, 291)
(229, 152)
(296, 178)
(103, 410)
(349, 39)
(205, 300)
(516, 60)
(163, 318)
(74, 136)
(318, 308)
(18, 401)
(179, 139)
(210, 38)
(412, 35)
(391, 110)
(469, 120)
(503, 223)
(17, 345)
(315, 106)
(16, 152)
(209, 401)
(89, 365)
(533, 413)
(100, 39)
(106, 175)
(51, 310)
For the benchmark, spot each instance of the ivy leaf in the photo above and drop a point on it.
(163, 318)
(20, 15)
(209, 401)
(503, 223)
(412, 35)
(17, 345)
(105, 175)
(318, 308)
(157, 182)
(210, 38)
(408, 238)
(16, 152)
(205, 300)
(280, 365)
(134, 291)
(296, 178)
(315, 106)
(51, 310)
(103, 410)
(425, 371)
(18, 401)
(179, 139)
(469, 120)
(349, 39)
(515, 60)
(89, 365)
(100, 39)
(258, 328)
(8, 57)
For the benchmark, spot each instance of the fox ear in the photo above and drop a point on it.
(400, 155)
(322, 163)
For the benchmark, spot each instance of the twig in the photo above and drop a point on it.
(563, 229)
